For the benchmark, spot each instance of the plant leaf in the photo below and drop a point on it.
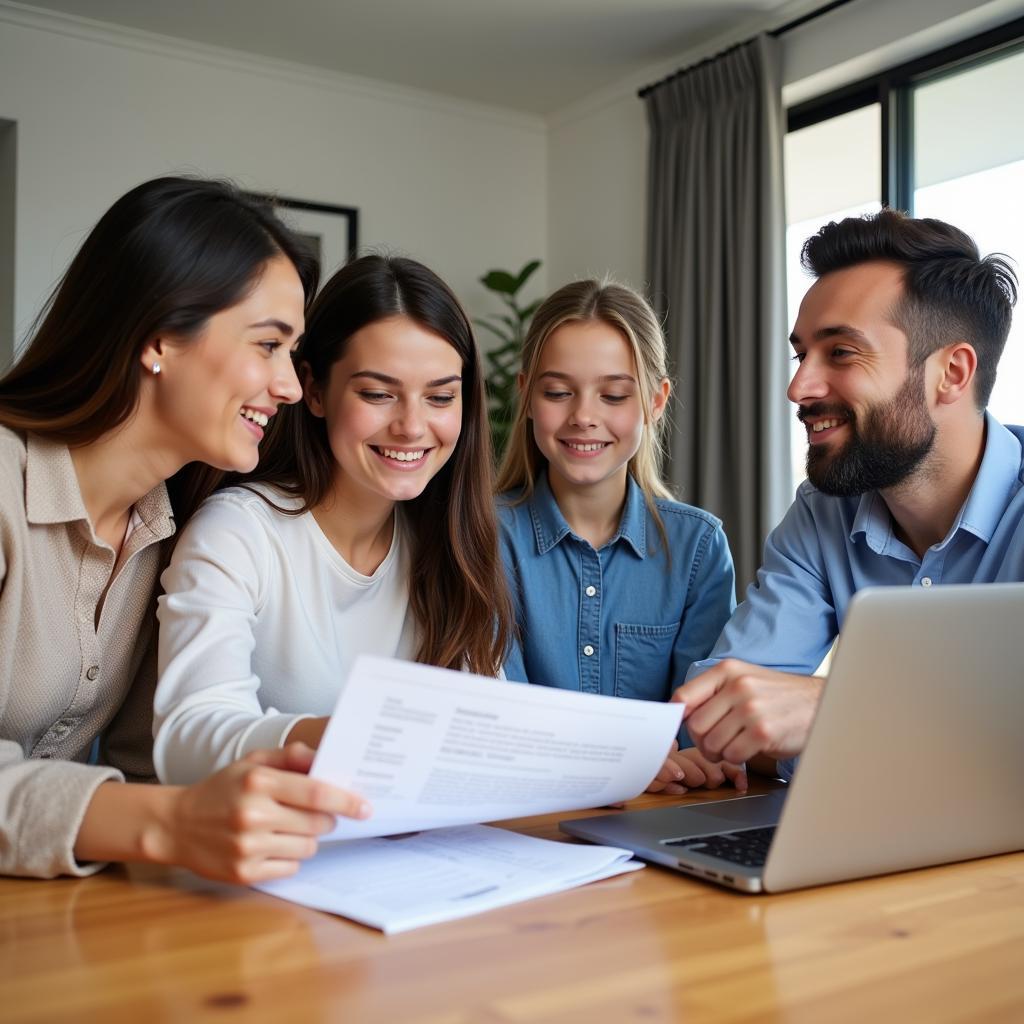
(525, 274)
(500, 281)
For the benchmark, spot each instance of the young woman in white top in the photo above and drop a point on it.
(167, 343)
(368, 527)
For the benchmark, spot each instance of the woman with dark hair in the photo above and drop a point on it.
(166, 344)
(368, 528)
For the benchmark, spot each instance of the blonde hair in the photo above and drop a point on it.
(631, 315)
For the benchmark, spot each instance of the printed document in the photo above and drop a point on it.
(431, 748)
(412, 880)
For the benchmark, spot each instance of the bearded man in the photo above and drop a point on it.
(909, 480)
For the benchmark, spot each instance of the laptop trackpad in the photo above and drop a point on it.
(724, 815)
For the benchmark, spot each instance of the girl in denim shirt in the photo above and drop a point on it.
(617, 587)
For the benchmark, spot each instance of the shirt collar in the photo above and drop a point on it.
(873, 520)
(51, 486)
(550, 527)
(997, 480)
(633, 524)
(998, 477)
(155, 511)
(52, 494)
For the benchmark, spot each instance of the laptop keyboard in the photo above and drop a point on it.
(749, 847)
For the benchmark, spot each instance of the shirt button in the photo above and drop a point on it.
(92, 673)
(590, 591)
(588, 650)
(926, 581)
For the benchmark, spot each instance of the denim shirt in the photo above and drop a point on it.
(626, 620)
(827, 548)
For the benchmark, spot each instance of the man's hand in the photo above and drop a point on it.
(690, 769)
(735, 710)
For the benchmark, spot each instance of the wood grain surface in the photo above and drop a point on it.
(151, 945)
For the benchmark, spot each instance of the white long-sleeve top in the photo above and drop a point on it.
(260, 621)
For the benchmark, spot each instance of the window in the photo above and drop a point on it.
(980, 186)
(833, 170)
(939, 137)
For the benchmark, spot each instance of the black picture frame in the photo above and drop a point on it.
(331, 231)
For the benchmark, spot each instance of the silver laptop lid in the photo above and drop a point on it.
(917, 752)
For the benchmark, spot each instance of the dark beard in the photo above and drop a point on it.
(896, 437)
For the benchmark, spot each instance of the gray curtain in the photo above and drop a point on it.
(716, 266)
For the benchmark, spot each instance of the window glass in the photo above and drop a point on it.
(832, 170)
(969, 170)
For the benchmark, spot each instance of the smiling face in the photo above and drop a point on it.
(393, 410)
(865, 410)
(216, 392)
(586, 407)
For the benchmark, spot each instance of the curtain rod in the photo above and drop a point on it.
(776, 32)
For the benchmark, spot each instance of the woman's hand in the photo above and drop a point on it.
(253, 821)
(309, 731)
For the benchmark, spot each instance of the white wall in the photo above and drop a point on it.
(8, 151)
(460, 186)
(597, 148)
(597, 193)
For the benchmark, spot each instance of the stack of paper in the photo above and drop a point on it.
(432, 749)
(407, 881)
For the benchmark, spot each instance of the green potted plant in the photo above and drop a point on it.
(503, 362)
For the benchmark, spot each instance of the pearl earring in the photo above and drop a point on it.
(156, 369)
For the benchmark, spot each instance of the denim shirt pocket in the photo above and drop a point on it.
(643, 656)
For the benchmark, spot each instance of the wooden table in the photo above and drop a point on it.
(150, 945)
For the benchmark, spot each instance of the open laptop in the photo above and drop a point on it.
(915, 758)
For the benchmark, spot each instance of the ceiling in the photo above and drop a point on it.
(529, 55)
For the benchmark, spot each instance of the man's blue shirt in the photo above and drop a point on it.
(626, 620)
(827, 548)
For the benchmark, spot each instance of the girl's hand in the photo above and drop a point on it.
(690, 769)
(670, 776)
(253, 821)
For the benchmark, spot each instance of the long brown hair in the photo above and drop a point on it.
(631, 315)
(163, 259)
(456, 584)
